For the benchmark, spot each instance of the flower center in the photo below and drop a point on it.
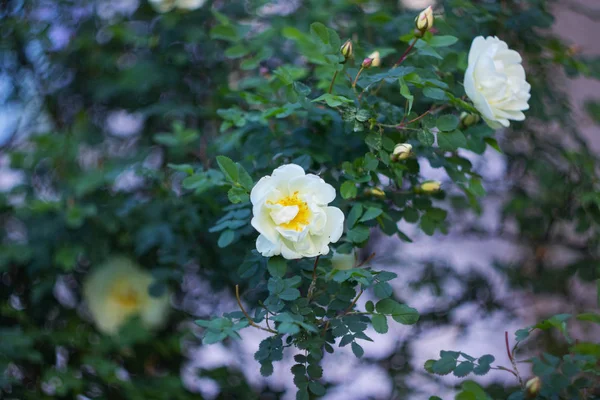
(302, 217)
(125, 296)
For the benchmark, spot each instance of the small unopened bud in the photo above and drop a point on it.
(533, 386)
(376, 59)
(346, 49)
(402, 151)
(343, 261)
(367, 62)
(375, 192)
(431, 186)
(468, 119)
(424, 20)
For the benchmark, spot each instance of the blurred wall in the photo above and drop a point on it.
(578, 21)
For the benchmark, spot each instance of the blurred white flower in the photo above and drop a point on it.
(118, 290)
(291, 214)
(495, 82)
(122, 123)
(376, 57)
(189, 4)
(168, 5)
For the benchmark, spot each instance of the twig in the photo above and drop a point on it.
(367, 260)
(357, 76)
(512, 361)
(325, 328)
(400, 61)
(313, 284)
(354, 302)
(250, 320)
(332, 82)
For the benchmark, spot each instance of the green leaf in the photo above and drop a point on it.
(266, 369)
(486, 359)
(332, 100)
(357, 350)
(374, 141)
(447, 123)
(435, 93)
(493, 143)
(379, 323)
(319, 32)
(463, 369)
(371, 213)
(229, 168)
(369, 306)
(348, 190)
(244, 178)
(354, 215)
(442, 41)
(277, 266)
(314, 371)
(317, 388)
(405, 92)
(289, 294)
(383, 290)
(400, 312)
(451, 140)
(358, 234)
(226, 238)
(444, 365)
(237, 195)
(425, 137)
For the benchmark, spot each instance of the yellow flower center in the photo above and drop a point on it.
(302, 218)
(125, 296)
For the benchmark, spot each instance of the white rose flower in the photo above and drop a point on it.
(118, 290)
(495, 82)
(291, 214)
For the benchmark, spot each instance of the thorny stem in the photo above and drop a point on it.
(332, 82)
(400, 61)
(313, 284)
(356, 78)
(250, 320)
(402, 125)
(367, 260)
(512, 361)
(354, 302)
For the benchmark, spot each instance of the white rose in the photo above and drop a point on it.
(495, 82)
(291, 214)
(118, 290)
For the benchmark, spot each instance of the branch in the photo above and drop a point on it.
(250, 320)
(512, 361)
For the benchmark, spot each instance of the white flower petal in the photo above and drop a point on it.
(322, 192)
(495, 82)
(266, 247)
(283, 214)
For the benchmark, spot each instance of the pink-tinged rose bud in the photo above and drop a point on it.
(424, 20)
(367, 63)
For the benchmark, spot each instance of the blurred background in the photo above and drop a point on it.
(98, 99)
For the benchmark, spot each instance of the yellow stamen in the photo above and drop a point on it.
(302, 218)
